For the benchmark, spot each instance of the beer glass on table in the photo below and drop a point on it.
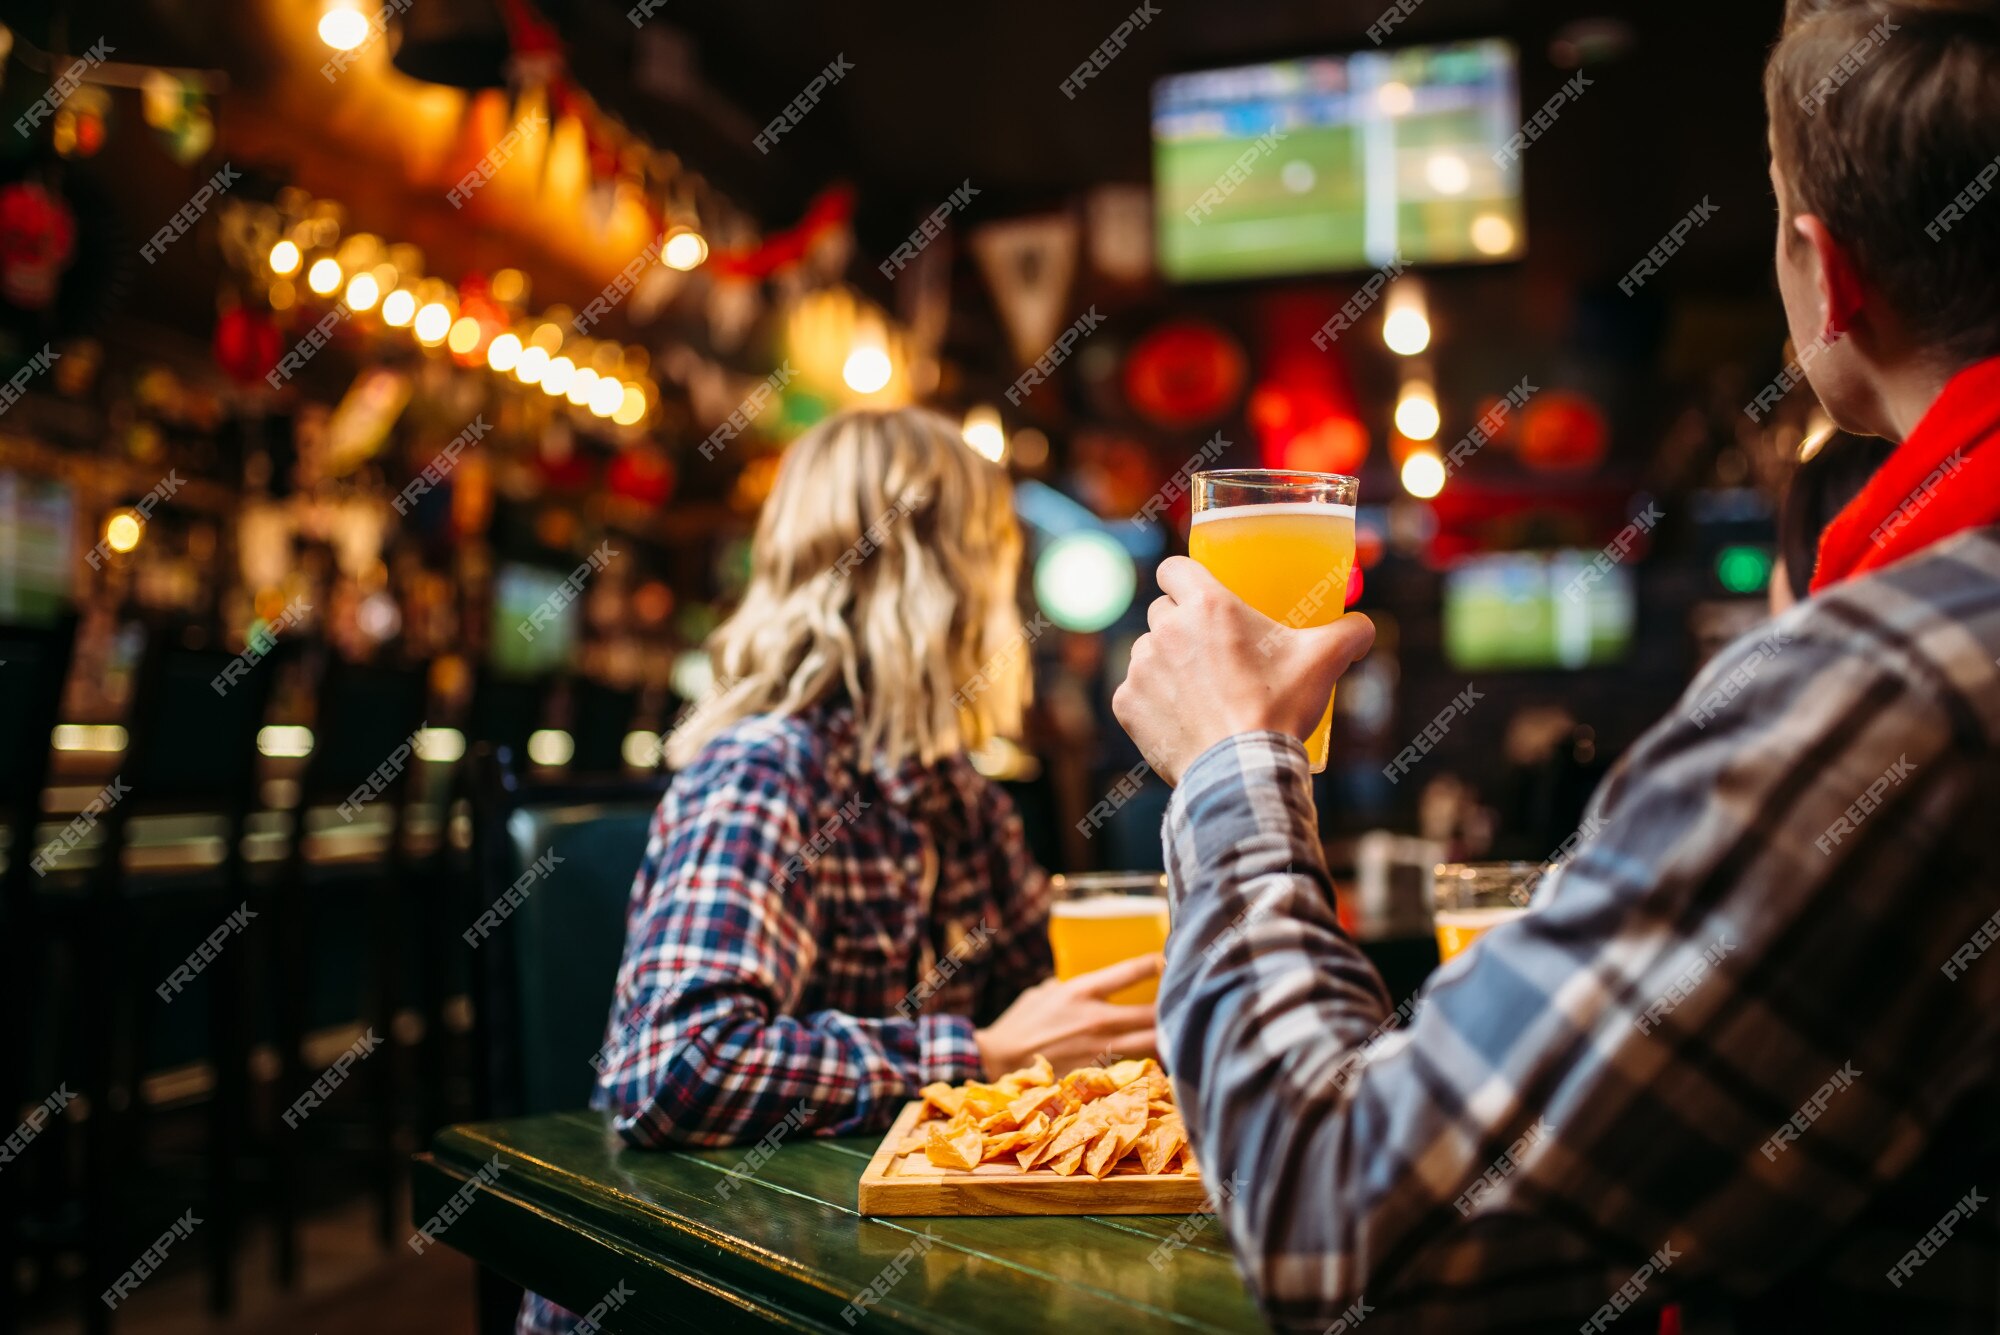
(1097, 919)
(1472, 898)
(1283, 542)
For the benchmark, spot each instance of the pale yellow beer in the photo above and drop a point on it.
(1459, 928)
(1098, 920)
(1287, 559)
(1472, 898)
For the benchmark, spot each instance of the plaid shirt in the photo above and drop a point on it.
(812, 938)
(1741, 1054)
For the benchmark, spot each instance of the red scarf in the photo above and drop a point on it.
(1944, 478)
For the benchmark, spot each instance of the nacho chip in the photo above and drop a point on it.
(953, 1151)
(1067, 1164)
(1163, 1139)
(1086, 1083)
(1030, 1155)
(947, 1099)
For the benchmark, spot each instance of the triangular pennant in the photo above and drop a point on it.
(1029, 263)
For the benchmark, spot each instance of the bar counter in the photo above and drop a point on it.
(713, 1240)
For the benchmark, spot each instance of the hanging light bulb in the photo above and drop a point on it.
(398, 308)
(1417, 411)
(324, 277)
(533, 361)
(1406, 325)
(685, 249)
(464, 335)
(285, 258)
(362, 291)
(867, 368)
(504, 352)
(1423, 474)
(631, 406)
(342, 27)
(433, 323)
(606, 397)
(984, 433)
(555, 380)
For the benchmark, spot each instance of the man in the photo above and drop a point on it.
(1743, 1056)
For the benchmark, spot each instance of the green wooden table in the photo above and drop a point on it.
(571, 1213)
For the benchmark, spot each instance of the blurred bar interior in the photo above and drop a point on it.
(390, 391)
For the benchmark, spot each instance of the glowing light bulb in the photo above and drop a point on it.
(631, 406)
(323, 277)
(362, 292)
(867, 369)
(343, 28)
(398, 309)
(556, 379)
(580, 385)
(1423, 474)
(1417, 411)
(433, 322)
(121, 531)
(1406, 331)
(685, 250)
(529, 367)
(606, 396)
(285, 259)
(984, 433)
(548, 337)
(1406, 325)
(503, 352)
(464, 335)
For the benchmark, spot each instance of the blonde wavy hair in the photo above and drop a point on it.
(885, 562)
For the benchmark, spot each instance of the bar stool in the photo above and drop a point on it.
(362, 759)
(34, 665)
(192, 750)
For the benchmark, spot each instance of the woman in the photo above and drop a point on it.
(835, 908)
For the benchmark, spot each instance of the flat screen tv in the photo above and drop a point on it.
(1529, 610)
(1331, 163)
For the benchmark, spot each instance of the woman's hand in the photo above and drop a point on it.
(1072, 1024)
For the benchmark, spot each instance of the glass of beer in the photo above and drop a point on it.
(1099, 918)
(1283, 542)
(1472, 898)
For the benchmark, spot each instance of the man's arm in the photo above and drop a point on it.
(1696, 1061)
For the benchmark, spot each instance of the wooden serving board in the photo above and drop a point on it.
(910, 1184)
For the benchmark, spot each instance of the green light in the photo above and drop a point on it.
(1085, 580)
(1743, 569)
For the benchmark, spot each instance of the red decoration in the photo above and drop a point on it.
(1303, 408)
(37, 239)
(247, 345)
(830, 210)
(1563, 430)
(1184, 373)
(643, 474)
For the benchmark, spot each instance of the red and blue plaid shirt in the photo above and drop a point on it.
(812, 938)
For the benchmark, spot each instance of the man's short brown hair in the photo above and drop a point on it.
(1885, 118)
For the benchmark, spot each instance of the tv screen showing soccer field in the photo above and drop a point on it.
(1339, 163)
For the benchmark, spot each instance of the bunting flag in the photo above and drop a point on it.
(1029, 262)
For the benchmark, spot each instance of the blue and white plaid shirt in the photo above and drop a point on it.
(1740, 1056)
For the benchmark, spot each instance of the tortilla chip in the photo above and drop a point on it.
(1067, 1164)
(1086, 1083)
(1029, 1077)
(1030, 1155)
(1042, 1099)
(1164, 1138)
(953, 1151)
(947, 1099)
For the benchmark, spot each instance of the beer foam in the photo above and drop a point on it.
(1319, 509)
(1110, 906)
(1478, 919)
